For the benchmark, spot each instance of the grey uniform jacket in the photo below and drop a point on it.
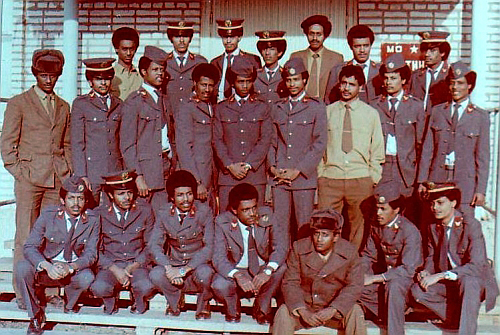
(270, 90)
(439, 91)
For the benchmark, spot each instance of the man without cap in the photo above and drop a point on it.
(456, 272)
(95, 127)
(250, 249)
(390, 259)
(147, 131)
(323, 281)
(360, 39)
(352, 164)
(127, 78)
(457, 145)
(59, 252)
(36, 147)
(186, 227)
(231, 32)
(181, 63)
(127, 224)
(317, 58)
(242, 133)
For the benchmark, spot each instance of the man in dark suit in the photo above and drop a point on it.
(95, 127)
(317, 58)
(249, 254)
(59, 252)
(323, 281)
(186, 227)
(180, 63)
(123, 263)
(390, 259)
(36, 147)
(456, 273)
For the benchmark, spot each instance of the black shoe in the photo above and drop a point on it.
(21, 304)
(73, 310)
(203, 315)
(171, 312)
(55, 301)
(134, 310)
(36, 324)
(261, 317)
(110, 311)
(233, 318)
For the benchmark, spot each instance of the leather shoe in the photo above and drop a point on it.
(21, 304)
(36, 324)
(171, 312)
(203, 315)
(134, 310)
(112, 311)
(233, 318)
(73, 310)
(261, 317)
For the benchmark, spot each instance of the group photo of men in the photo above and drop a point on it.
(337, 188)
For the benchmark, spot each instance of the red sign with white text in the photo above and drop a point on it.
(410, 52)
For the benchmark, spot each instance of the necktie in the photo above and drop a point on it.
(253, 258)
(392, 111)
(454, 122)
(181, 61)
(347, 130)
(104, 100)
(160, 100)
(182, 216)
(270, 75)
(313, 80)
(68, 245)
(293, 104)
(50, 106)
(122, 218)
(242, 102)
(444, 246)
(432, 72)
(229, 58)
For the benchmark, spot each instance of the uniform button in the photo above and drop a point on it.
(445, 141)
(290, 121)
(95, 119)
(109, 142)
(109, 130)
(289, 134)
(269, 100)
(183, 245)
(289, 145)
(159, 141)
(387, 256)
(88, 158)
(124, 243)
(242, 142)
(181, 89)
(289, 157)
(243, 154)
(109, 153)
(180, 78)
(159, 154)
(270, 90)
(181, 100)
(347, 162)
(241, 119)
(242, 131)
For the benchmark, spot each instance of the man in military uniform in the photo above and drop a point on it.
(59, 252)
(127, 224)
(250, 249)
(180, 63)
(298, 145)
(317, 58)
(456, 273)
(95, 127)
(231, 32)
(323, 281)
(360, 39)
(194, 129)
(390, 259)
(127, 79)
(147, 131)
(242, 133)
(272, 47)
(36, 147)
(186, 227)
(457, 145)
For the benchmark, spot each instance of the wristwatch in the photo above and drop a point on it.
(268, 271)
(182, 272)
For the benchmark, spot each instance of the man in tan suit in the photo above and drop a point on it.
(318, 59)
(36, 147)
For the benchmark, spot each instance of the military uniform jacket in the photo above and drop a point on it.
(95, 134)
(467, 248)
(35, 147)
(271, 239)
(409, 127)
(242, 134)
(188, 244)
(310, 282)
(394, 251)
(472, 149)
(439, 91)
(125, 244)
(180, 84)
(47, 238)
(270, 90)
(140, 136)
(299, 140)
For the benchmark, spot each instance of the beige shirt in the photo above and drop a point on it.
(368, 153)
(125, 81)
(45, 99)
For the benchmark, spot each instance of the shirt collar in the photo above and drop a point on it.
(121, 69)
(300, 97)
(438, 69)
(150, 89)
(462, 104)
(42, 95)
(176, 55)
(236, 52)
(276, 67)
(102, 96)
(368, 62)
(238, 98)
(319, 52)
(67, 217)
(450, 223)
(393, 222)
(399, 96)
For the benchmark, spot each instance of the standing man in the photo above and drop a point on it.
(249, 254)
(127, 224)
(95, 127)
(390, 259)
(360, 39)
(352, 164)
(180, 63)
(323, 281)
(231, 32)
(456, 272)
(242, 133)
(317, 58)
(36, 147)
(127, 79)
(272, 47)
(147, 132)
(186, 228)
(194, 130)
(298, 145)
(457, 145)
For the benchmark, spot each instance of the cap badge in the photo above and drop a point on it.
(390, 65)
(265, 218)
(181, 24)
(381, 200)
(124, 175)
(458, 72)
(81, 187)
(291, 71)
(228, 23)
(426, 35)
(265, 34)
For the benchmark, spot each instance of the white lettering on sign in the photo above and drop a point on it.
(394, 49)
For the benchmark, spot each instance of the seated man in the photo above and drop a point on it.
(59, 252)
(127, 224)
(249, 254)
(323, 280)
(390, 259)
(186, 228)
(456, 272)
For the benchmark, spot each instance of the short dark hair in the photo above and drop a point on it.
(144, 63)
(353, 71)
(444, 47)
(242, 192)
(470, 77)
(404, 72)
(181, 178)
(108, 74)
(360, 31)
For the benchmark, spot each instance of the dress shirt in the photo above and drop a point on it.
(274, 70)
(428, 74)
(365, 66)
(452, 275)
(450, 158)
(238, 98)
(118, 213)
(45, 98)
(391, 145)
(222, 82)
(184, 60)
(60, 256)
(310, 59)
(296, 99)
(107, 97)
(165, 142)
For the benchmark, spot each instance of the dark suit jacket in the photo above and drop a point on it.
(310, 282)
(270, 90)
(439, 92)
(34, 147)
(47, 238)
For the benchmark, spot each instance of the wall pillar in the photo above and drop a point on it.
(70, 50)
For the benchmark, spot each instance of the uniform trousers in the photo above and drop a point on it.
(224, 195)
(300, 201)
